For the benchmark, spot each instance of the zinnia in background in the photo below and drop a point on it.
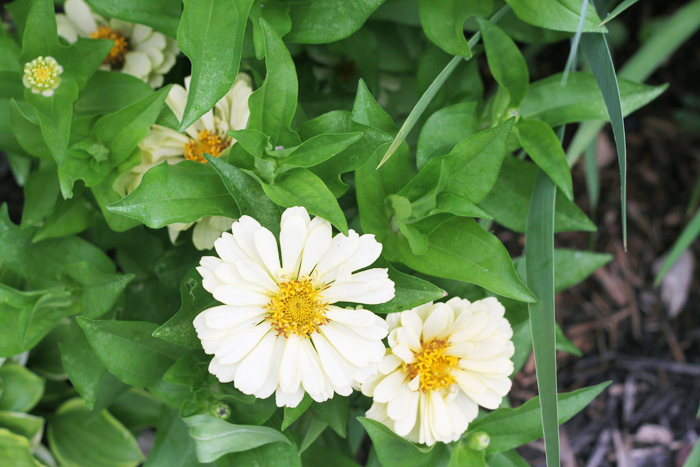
(138, 50)
(278, 330)
(444, 361)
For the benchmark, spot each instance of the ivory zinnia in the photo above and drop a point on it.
(444, 361)
(278, 330)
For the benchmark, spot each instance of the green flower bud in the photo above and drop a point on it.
(220, 410)
(478, 441)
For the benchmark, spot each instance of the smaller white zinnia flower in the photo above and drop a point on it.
(278, 330)
(42, 75)
(138, 50)
(444, 361)
(206, 135)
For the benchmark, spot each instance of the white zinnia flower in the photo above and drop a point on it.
(278, 330)
(206, 135)
(42, 75)
(138, 50)
(445, 360)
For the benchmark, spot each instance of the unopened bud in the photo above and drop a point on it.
(220, 410)
(478, 441)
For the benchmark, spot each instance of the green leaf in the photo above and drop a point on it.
(136, 409)
(462, 456)
(595, 48)
(98, 291)
(105, 195)
(107, 92)
(183, 192)
(276, 14)
(507, 459)
(506, 62)
(211, 35)
(123, 130)
(21, 390)
(460, 249)
(509, 428)
(40, 195)
(334, 411)
(300, 187)
(29, 426)
(292, 414)
(509, 200)
(560, 15)
(69, 217)
(16, 450)
(49, 309)
(319, 456)
(25, 127)
(11, 85)
(319, 22)
(619, 9)
(215, 437)
(272, 455)
(542, 145)
(394, 451)
(444, 129)
(104, 442)
(129, 351)
(272, 105)
(684, 240)
(539, 254)
(312, 426)
(443, 22)
(318, 149)
(173, 446)
(572, 266)
(161, 15)
(580, 99)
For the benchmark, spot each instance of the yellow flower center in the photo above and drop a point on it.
(42, 73)
(297, 308)
(115, 58)
(207, 143)
(433, 366)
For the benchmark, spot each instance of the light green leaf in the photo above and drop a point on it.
(334, 411)
(507, 459)
(318, 149)
(69, 217)
(40, 194)
(572, 266)
(136, 409)
(272, 454)
(211, 35)
(444, 129)
(183, 192)
(462, 456)
(161, 15)
(16, 449)
(215, 437)
(25, 127)
(443, 22)
(104, 442)
(23, 424)
(21, 390)
(98, 291)
(539, 254)
(542, 145)
(619, 9)
(276, 14)
(108, 92)
(319, 21)
(394, 451)
(292, 414)
(560, 15)
(129, 351)
(173, 446)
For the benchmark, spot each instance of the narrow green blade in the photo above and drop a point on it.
(689, 234)
(619, 9)
(571, 61)
(539, 254)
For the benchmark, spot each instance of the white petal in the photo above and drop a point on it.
(442, 425)
(489, 399)
(367, 252)
(310, 368)
(404, 426)
(177, 100)
(236, 347)
(255, 366)
(289, 400)
(345, 291)
(347, 347)
(292, 240)
(295, 211)
(244, 233)
(228, 249)
(137, 64)
(404, 353)
(493, 365)
(228, 273)
(389, 363)
(225, 316)
(468, 383)
(235, 295)
(408, 337)
(334, 365)
(488, 348)
(357, 318)
(398, 407)
(436, 323)
(208, 264)
(266, 245)
(81, 16)
(317, 244)
(341, 248)
(254, 273)
(389, 386)
(272, 379)
(411, 319)
(225, 373)
(289, 367)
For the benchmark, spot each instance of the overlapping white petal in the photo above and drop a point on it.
(341, 352)
(477, 339)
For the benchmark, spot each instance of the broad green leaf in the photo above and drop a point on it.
(40, 194)
(685, 239)
(105, 195)
(211, 35)
(395, 451)
(69, 217)
(129, 351)
(444, 129)
(509, 200)
(123, 130)
(507, 459)
(539, 254)
(542, 145)
(292, 414)
(462, 456)
(560, 15)
(410, 291)
(443, 22)
(312, 426)
(572, 266)
(319, 456)
(25, 127)
(161, 15)
(183, 192)
(597, 53)
(98, 291)
(172, 395)
(11, 85)
(104, 442)
(272, 455)
(29, 426)
(276, 14)
(402, 209)
(580, 99)
(187, 371)
(509, 428)
(136, 409)
(195, 299)
(253, 141)
(107, 92)
(15, 449)
(318, 149)
(300, 187)
(272, 105)
(215, 437)
(173, 446)
(334, 411)
(319, 22)
(21, 390)
(506, 62)
(460, 249)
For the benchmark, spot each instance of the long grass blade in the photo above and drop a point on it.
(619, 9)
(689, 234)
(539, 262)
(596, 50)
(571, 61)
(592, 176)
(429, 93)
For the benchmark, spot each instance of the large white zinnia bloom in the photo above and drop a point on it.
(444, 361)
(277, 330)
(206, 135)
(138, 50)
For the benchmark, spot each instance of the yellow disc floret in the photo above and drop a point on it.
(297, 308)
(433, 366)
(42, 75)
(207, 142)
(115, 58)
